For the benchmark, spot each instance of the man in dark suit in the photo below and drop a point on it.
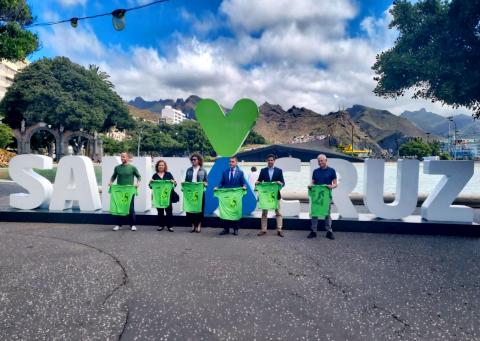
(231, 178)
(271, 174)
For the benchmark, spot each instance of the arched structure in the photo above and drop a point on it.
(24, 136)
(94, 147)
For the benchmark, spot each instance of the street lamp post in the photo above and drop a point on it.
(352, 123)
(454, 136)
(139, 138)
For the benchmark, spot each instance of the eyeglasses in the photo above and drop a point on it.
(194, 159)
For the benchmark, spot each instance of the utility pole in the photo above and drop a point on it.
(139, 138)
(449, 139)
(454, 136)
(352, 140)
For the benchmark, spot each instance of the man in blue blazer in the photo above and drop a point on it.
(231, 178)
(271, 174)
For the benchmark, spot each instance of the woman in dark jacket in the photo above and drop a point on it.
(196, 173)
(164, 214)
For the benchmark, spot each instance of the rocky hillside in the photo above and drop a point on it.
(438, 125)
(186, 106)
(383, 126)
(143, 114)
(280, 126)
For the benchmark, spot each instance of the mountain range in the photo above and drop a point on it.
(439, 125)
(186, 106)
(372, 128)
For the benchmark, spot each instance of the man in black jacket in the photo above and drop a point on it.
(271, 174)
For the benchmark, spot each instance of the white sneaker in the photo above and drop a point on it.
(134, 228)
(116, 228)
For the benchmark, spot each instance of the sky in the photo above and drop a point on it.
(308, 53)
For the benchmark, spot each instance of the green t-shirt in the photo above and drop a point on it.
(124, 174)
(268, 195)
(193, 196)
(120, 198)
(320, 199)
(230, 202)
(161, 191)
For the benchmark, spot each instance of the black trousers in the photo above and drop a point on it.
(227, 224)
(165, 216)
(196, 219)
(129, 219)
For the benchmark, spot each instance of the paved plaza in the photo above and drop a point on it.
(62, 281)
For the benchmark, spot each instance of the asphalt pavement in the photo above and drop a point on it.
(88, 282)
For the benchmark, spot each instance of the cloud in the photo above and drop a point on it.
(280, 51)
(253, 15)
(201, 24)
(71, 3)
(79, 44)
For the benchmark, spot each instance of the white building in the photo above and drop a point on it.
(172, 116)
(118, 135)
(7, 73)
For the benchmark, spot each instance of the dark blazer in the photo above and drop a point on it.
(237, 181)
(201, 175)
(277, 176)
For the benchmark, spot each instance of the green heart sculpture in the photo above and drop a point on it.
(226, 133)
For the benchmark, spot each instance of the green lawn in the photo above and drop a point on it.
(50, 173)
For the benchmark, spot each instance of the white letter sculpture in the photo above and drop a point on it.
(143, 201)
(20, 169)
(406, 195)
(108, 164)
(289, 208)
(438, 205)
(75, 181)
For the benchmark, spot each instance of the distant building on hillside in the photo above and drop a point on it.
(118, 135)
(307, 138)
(8, 70)
(172, 116)
(143, 119)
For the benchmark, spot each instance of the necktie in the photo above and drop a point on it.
(231, 175)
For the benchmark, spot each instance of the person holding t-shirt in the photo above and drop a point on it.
(196, 173)
(323, 175)
(232, 177)
(164, 214)
(125, 174)
(271, 174)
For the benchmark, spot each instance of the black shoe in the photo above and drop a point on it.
(312, 235)
(160, 228)
(170, 229)
(224, 232)
(235, 232)
(330, 235)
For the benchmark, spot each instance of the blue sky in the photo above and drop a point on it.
(311, 53)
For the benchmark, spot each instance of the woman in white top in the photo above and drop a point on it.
(196, 173)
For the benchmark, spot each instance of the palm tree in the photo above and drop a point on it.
(95, 69)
